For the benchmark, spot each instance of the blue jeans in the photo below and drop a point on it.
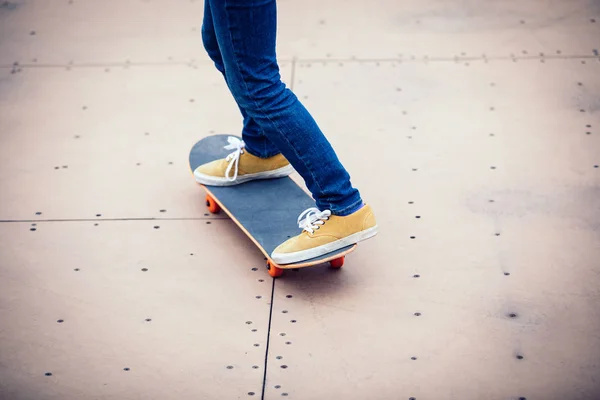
(239, 36)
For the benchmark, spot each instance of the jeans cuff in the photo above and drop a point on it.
(357, 205)
(259, 154)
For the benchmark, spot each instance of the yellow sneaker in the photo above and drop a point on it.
(323, 233)
(241, 166)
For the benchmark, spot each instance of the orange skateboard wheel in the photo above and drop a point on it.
(212, 205)
(337, 263)
(273, 270)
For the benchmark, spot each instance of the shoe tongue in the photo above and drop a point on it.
(307, 233)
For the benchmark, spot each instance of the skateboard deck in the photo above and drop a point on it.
(266, 210)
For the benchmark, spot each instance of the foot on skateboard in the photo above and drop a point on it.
(323, 233)
(241, 166)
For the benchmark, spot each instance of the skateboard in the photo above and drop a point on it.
(266, 210)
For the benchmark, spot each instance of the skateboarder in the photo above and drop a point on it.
(240, 37)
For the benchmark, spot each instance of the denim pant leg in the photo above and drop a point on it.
(256, 142)
(246, 34)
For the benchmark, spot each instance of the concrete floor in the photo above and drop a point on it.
(471, 127)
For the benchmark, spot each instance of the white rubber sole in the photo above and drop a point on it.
(218, 181)
(290, 258)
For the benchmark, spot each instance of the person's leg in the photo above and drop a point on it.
(246, 35)
(256, 142)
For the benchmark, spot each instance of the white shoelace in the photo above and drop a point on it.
(234, 158)
(311, 219)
